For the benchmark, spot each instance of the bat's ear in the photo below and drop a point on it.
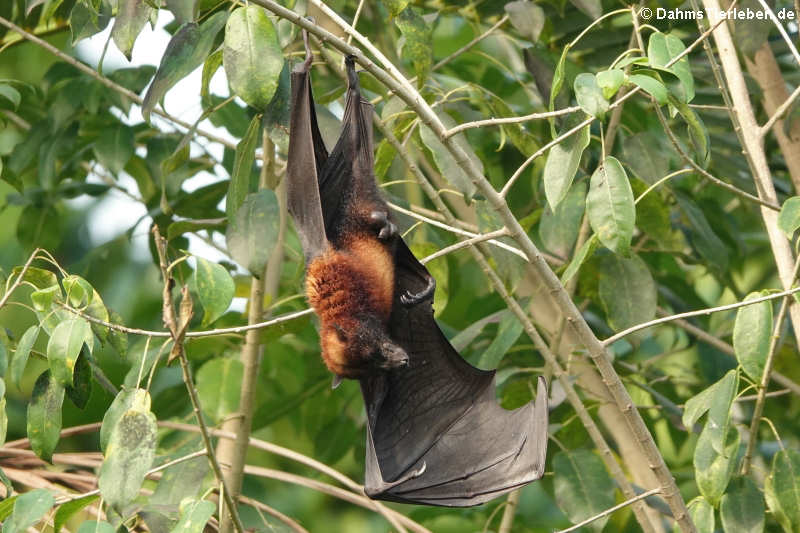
(337, 380)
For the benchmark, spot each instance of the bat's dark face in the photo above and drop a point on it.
(360, 346)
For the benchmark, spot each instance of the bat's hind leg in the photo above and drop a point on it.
(408, 299)
(380, 221)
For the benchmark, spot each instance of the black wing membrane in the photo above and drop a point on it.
(305, 162)
(349, 170)
(436, 433)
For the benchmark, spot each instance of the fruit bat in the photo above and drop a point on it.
(435, 432)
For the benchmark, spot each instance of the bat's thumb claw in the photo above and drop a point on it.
(421, 470)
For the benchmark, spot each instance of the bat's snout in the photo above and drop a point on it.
(393, 355)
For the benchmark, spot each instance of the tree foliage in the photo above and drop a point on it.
(622, 154)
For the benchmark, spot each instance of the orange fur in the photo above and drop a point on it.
(349, 289)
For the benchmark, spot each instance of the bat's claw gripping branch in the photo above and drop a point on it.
(408, 299)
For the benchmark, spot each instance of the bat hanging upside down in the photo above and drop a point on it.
(435, 432)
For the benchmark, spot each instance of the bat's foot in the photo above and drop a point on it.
(380, 221)
(409, 299)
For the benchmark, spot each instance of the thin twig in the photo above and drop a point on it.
(206, 333)
(463, 244)
(510, 120)
(644, 325)
(776, 116)
(470, 44)
(177, 332)
(453, 229)
(107, 82)
(290, 522)
(150, 472)
(20, 278)
(308, 461)
(610, 510)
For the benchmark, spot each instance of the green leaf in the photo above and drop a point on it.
(184, 10)
(179, 227)
(751, 33)
(527, 18)
(3, 426)
(43, 299)
(130, 19)
(65, 346)
(181, 480)
(215, 289)
(117, 339)
(81, 389)
(67, 510)
(7, 92)
(128, 456)
(44, 415)
(219, 386)
(627, 291)
(418, 45)
(646, 156)
(93, 526)
(713, 470)
(581, 255)
(719, 412)
(705, 241)
(751, 335)
(590, 96)
(253, 232)
(558, 81)
(210, 67)
(742, 507)
(29, 509)
(252, 56)
(562, 164)
(395, 6)
(78, 290)
(583, 488)
(194, 516)
(651, 86)
(115, 147)
(7, 507)
(85, 22)
(448, 167)
(186, 51)
(698, 133)
(20, 358)
(782, 489)
(698, 404)
(276, 116)
(702, 514)
(661, 49)
(38, 277)
(789, 217)
(508, 332)
(610, 81)
(559, 228)
(242, 168)
(610, 207)
(125, 400)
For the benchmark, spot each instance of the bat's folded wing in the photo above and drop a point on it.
(305, 161)
(436, 434)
